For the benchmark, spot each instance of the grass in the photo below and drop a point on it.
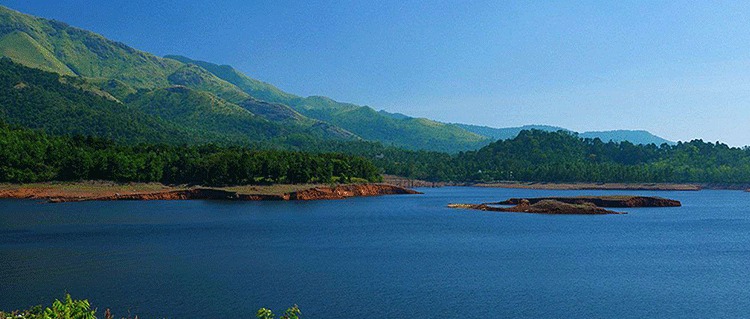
(20, 47)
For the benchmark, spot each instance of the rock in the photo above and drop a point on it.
(542, 207)
(344, 191)
(601, 201)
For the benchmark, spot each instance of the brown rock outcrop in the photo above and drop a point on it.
(316, 193)
(601, 201)
(542, 207)
(344, 191)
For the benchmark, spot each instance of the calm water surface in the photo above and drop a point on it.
(384, 257)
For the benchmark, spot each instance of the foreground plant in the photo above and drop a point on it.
(69, 309)
(291, 313)
(81, 309)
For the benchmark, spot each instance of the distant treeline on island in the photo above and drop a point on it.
(539, 156)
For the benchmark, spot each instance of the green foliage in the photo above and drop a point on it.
(81, 309)
(68, 309)
(264, 313)
(291, 313)
(31, 156)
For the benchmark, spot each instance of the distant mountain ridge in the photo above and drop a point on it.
(632, 136)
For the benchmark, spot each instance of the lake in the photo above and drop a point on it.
(403, 256)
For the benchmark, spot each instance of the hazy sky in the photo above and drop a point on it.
(680, 70)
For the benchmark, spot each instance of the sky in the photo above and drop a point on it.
(678, 69)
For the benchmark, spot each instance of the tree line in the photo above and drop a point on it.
(32, 156)
(536, 156)
(541, 156)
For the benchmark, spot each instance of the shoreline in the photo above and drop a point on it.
(406, 182)
(60, 192)
(596, 186)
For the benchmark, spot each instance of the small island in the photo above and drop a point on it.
(581, 205)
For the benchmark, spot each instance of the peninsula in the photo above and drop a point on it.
(109, 191)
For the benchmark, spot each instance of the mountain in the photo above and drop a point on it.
(256, 88)
(635, 137)
(120, 73)
(203, 100)
(508, 132)
(58, 47)
(388, 128)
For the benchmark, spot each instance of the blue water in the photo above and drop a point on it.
(381, 257)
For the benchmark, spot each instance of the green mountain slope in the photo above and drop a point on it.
(64, 105)
(119, 73)
(39, 99)
(280, 113)
(116, 71)
(258, 89)
(19, 46)
(89, 54)
(204, 112)
(408, 132)
(55, 46)
(195, 77)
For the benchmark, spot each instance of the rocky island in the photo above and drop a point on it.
(582, 205)
(601, 201)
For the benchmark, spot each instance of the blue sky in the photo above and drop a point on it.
(678, 69)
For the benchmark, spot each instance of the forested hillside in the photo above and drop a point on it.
(67, 105)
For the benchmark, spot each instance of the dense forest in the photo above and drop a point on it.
(540, 156)
(33, 156)
(564, 157)
(536, 156)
